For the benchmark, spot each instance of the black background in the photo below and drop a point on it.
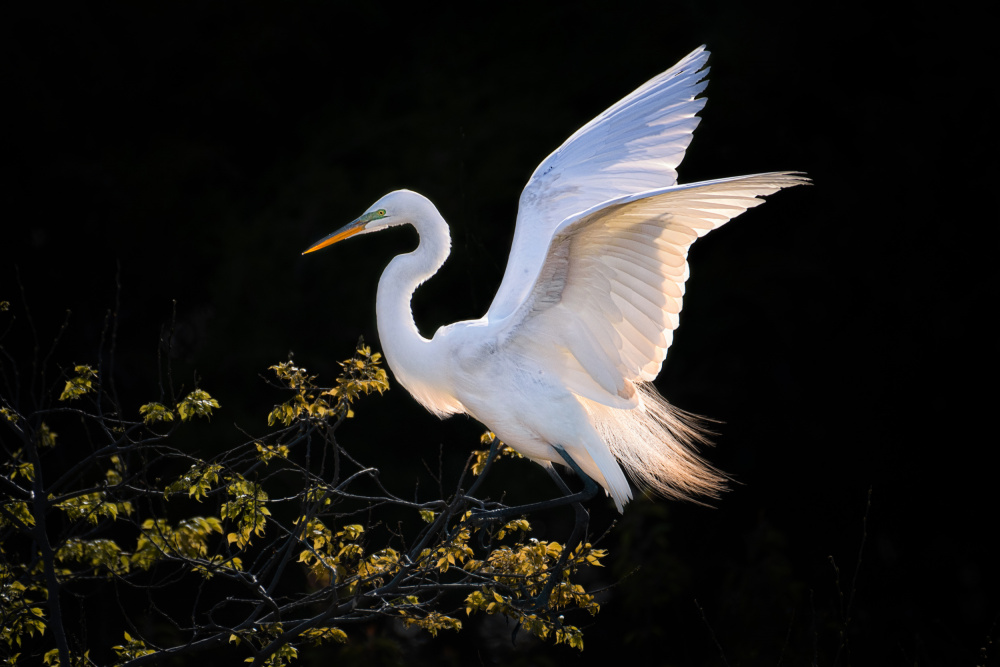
(191, 152)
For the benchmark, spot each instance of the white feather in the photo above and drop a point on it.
(587, 307)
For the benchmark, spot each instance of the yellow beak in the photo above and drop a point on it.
(344, 232)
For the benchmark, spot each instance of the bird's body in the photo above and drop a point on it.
(583, 318)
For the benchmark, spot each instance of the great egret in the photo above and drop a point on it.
(560, 367)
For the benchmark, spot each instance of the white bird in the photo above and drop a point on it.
(561, 365)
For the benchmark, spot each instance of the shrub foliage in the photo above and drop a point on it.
(272, 546)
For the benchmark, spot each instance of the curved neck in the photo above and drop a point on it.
(409, 353)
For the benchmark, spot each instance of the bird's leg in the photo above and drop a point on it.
(582, 521)
(579, 527)
(589, 490)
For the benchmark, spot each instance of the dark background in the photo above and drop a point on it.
(191, 152)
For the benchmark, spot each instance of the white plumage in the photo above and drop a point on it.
(586, 310)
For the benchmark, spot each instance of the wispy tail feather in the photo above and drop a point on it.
(657, 444)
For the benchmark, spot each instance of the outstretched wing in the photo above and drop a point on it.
(602, 311)
(634, 146)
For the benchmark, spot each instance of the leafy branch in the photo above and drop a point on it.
(289, 526)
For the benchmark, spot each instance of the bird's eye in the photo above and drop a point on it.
(380, 212)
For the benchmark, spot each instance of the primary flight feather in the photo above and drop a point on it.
(562, 363)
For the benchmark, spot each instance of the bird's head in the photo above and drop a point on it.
(396, 208)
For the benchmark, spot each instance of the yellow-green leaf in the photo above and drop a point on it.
(46, 436)
(156, 412)
(197, 404)
(79, 385)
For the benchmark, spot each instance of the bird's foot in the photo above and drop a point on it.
(485, 519)
(483, 516)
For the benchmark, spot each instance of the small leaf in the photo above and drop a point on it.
(46, 436)
(156, 412)
(197, 404)
(79, 385)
